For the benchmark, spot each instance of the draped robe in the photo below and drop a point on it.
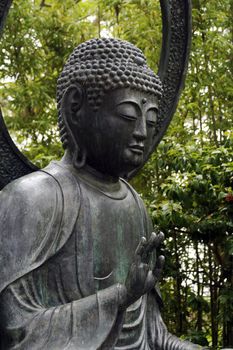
(56, 291)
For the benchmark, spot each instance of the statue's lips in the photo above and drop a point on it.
(137, 148)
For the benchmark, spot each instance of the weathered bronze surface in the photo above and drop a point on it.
(78, 255)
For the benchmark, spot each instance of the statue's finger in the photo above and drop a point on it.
(153, 243)
(152, 240)
(158, 268)
(140, 248)
(156, 241)
(161, 237)
(148, 248)
(150, 282)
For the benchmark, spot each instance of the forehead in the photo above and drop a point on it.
(140, 98)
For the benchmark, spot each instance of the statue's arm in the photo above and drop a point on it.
(87, 323)
(158, 333)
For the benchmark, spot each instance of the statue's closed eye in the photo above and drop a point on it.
(127, 111)
(129, 117)
(151, 117)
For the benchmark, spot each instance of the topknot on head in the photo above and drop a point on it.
(107, 64)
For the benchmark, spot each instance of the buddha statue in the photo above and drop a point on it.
(79, 268)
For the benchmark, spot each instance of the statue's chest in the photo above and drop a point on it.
(116, 226)
(101, 248)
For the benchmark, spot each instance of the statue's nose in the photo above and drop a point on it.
(140, 131)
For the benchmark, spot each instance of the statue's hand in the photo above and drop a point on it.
(141, 278)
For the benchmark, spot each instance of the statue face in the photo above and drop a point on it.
(119, 135)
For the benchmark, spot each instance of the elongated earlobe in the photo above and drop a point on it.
(72, 102)
(79, 158)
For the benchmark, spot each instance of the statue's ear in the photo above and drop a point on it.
(72, 103)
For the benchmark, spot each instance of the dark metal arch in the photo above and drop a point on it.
(177, 29)
(13, 164)
(176, 18)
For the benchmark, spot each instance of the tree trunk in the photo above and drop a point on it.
(178, 280)
(199, 311)
(213, 300)
(228, 324)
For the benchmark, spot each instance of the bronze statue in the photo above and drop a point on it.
(79, 267)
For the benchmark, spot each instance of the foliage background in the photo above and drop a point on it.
(187, 184)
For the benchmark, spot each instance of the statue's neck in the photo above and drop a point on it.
(89, 171)
(111, 186)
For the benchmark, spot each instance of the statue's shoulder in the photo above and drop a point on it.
(45, 186)
(35, 185)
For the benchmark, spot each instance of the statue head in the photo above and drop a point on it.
(108, 102)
